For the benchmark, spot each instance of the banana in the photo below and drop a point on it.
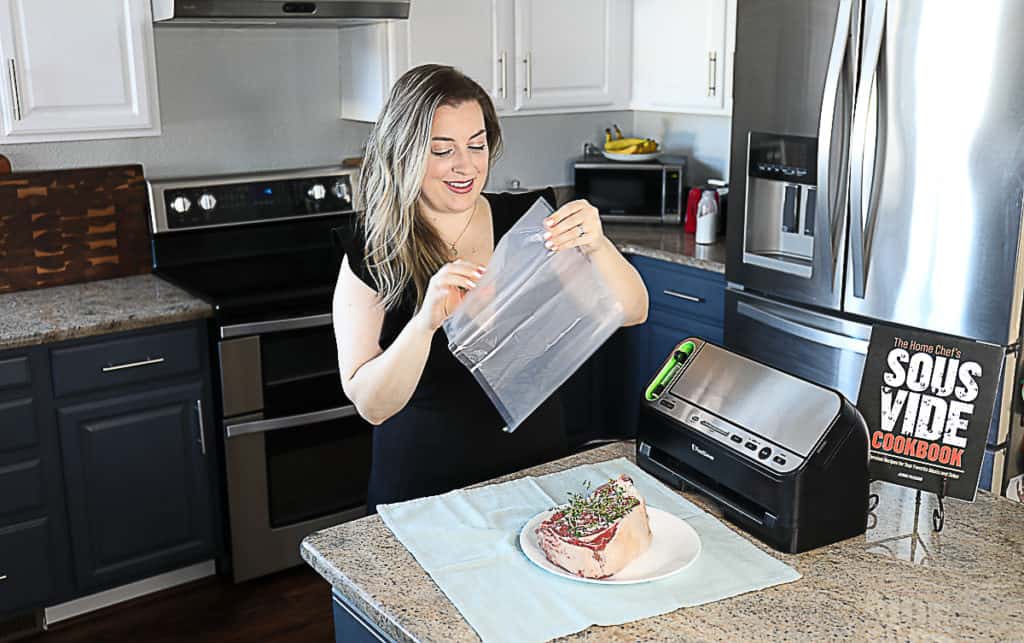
(632, 149)
(618, 132)
(607, 136)
(620, 144)
(648, 146)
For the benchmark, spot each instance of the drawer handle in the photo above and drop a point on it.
(679, 295)
(3, 576)
(145, 362)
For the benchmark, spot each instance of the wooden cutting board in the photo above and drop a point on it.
(67, 226)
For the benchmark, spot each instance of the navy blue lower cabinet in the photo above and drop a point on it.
(25, 565)
(352, 627)
(34, 553)
(665, 331)
(137, 484)
(684, 302)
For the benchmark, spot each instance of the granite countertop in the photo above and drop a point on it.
(664, 242)
(45, 315)
(667, 243)
(899, 581)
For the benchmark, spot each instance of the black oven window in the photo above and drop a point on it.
(317, 470)
(300, 372)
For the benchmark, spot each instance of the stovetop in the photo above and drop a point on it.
(257, 288)
(255, 246)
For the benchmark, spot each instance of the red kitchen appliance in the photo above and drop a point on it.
(693, 198)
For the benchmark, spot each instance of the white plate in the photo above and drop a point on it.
(632, 158)
(674, 546)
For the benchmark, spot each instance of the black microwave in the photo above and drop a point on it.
(646, 192)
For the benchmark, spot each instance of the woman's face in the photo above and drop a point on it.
(458, 158)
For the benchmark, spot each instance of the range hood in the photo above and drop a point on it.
(326, 13)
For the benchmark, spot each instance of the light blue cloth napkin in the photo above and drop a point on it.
(468, 541)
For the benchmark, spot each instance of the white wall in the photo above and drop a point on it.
(704, 139)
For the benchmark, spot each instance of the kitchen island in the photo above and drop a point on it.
(895, 582)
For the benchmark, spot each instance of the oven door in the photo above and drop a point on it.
(634, 194)
(297, 453)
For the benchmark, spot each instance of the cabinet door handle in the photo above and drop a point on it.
(202, 427)
(15, 92)
(145, 362)
(679, 295)
(503, 73)
(528, 61)
(712, 73)
(3, 576)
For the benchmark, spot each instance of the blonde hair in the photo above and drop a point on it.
(401, 247)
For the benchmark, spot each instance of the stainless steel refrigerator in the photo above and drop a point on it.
(877, 174)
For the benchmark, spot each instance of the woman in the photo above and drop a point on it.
(424, 238)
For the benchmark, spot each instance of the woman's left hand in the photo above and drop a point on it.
(576, 224)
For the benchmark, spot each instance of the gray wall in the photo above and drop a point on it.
(234, 100)
(540, 150)
(704, 139)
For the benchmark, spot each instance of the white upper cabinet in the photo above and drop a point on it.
(534, 56)
(77, 70)
(571, 53)
(474, 36)
(682, 55)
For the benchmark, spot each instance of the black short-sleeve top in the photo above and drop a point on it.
(506, 209)
(449, 434)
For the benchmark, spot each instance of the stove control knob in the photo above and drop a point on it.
(317, 192)
(181, 204)
(341, 191)
(207, 202)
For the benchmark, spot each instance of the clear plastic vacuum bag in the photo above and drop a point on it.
(532, 320)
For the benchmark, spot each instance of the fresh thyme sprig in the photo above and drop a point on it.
(587, 513)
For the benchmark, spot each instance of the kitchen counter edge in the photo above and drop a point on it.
(92, 308)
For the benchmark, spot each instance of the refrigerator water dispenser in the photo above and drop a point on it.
(779, 211)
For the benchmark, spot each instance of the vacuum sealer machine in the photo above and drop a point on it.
(785, 459)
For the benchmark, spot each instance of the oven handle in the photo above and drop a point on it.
(288, 422)
(275, 326)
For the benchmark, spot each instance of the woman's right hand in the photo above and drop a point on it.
(445, 291)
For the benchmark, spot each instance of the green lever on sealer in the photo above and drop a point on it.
(668, 371)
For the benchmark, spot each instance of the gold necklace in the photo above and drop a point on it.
(453, 252)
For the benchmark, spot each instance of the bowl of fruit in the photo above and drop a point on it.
(619, 148)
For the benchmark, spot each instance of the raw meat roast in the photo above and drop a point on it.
(596, 536)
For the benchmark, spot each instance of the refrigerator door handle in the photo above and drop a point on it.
(827, 221)
(874, 30)
(797, 329)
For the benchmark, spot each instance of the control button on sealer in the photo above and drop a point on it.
(667, 404)
(764, 453)
(736, 438)
(750, 445)
(779, 460)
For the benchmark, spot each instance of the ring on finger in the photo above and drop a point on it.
(579, 230)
